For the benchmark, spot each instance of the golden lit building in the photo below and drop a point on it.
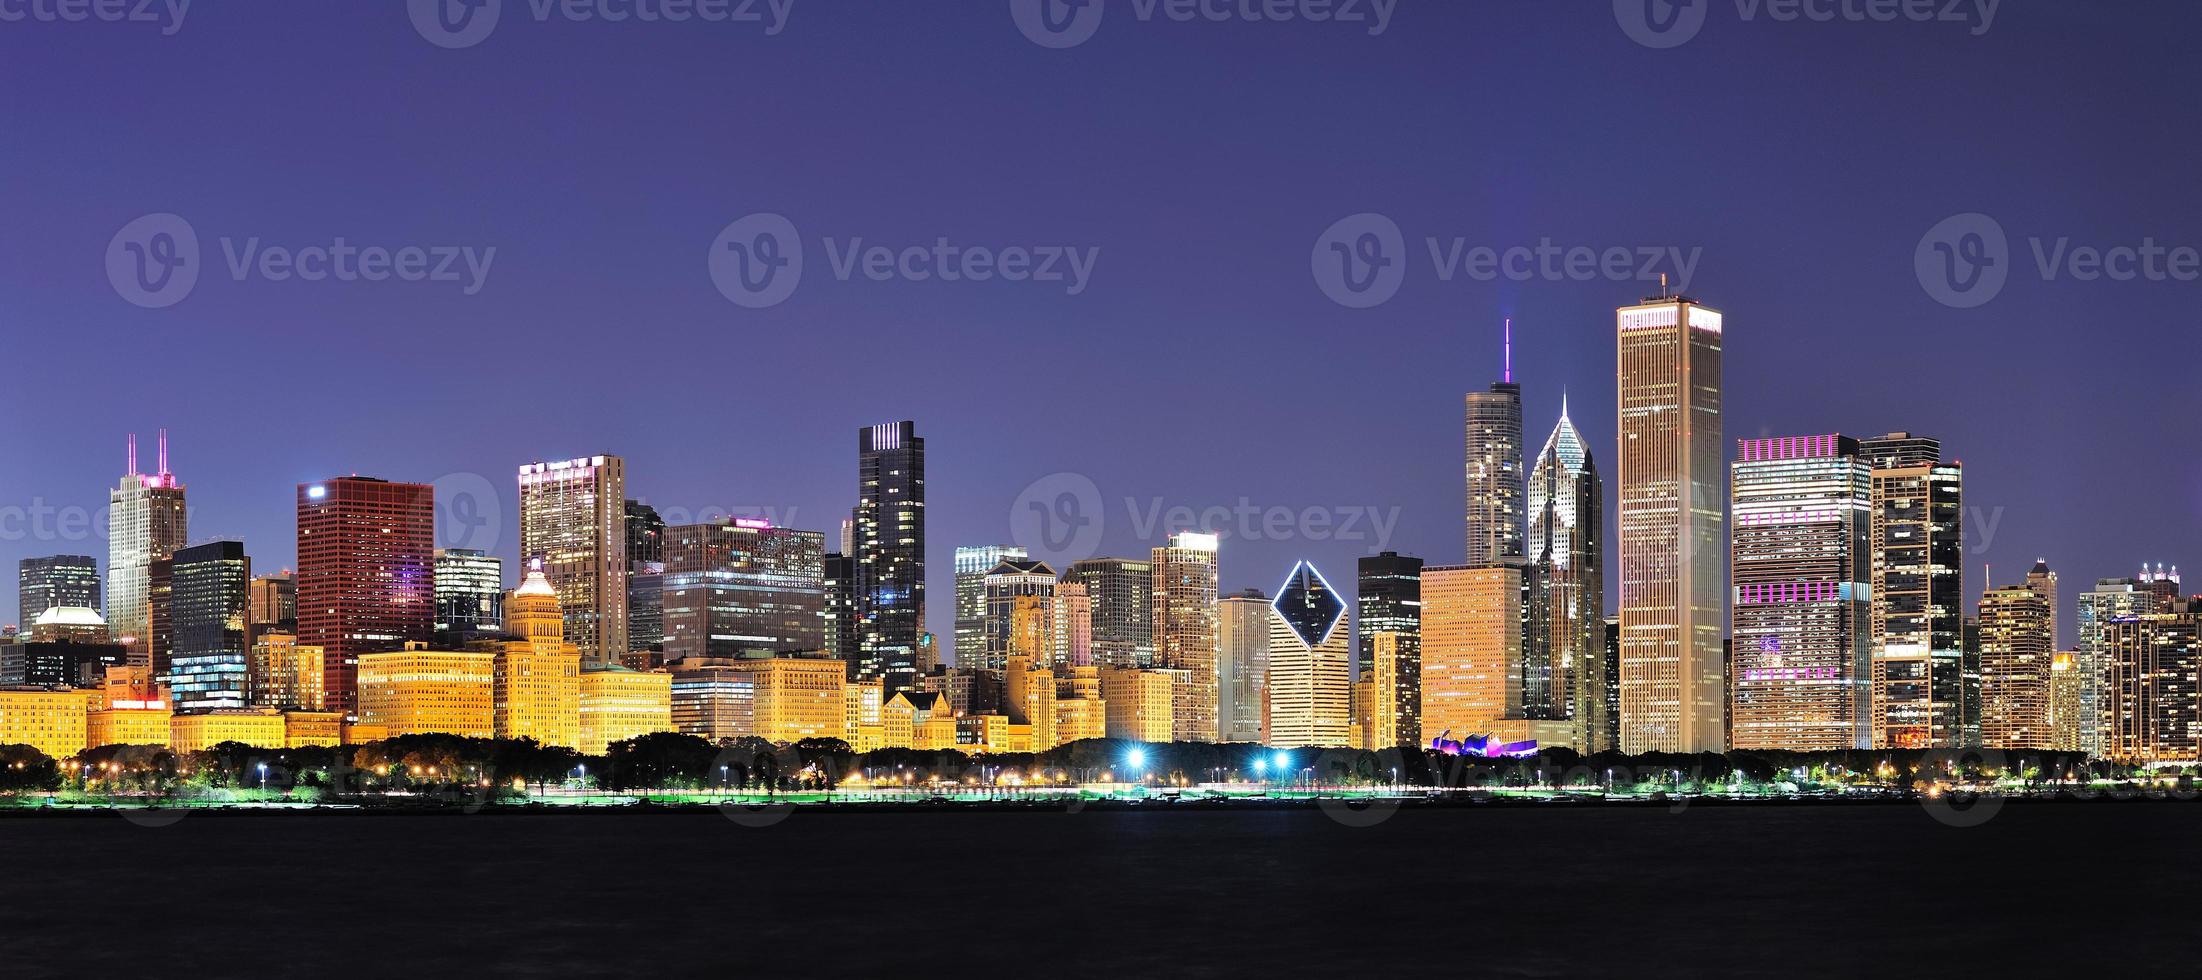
(285, 674)
(917, 720)
(994, 733)
(419, 691)
(261, 728)
(1363, 736)
(1394, 715)
(2065, 683)
(537, 688)
(861, 702)
(1080, 711)
(1471, 649)
(2152, 703)
(1184, 621)
(361, 733)
(50, 720)
(2017, 663)
(573, 525)
(127, 726)
(1031, 692)
(1310, 664)
(618, 704)
(129, 687)
(1137, 703)
(304, 728)
(797, 697)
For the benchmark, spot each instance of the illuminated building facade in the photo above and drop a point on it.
(795, 698)
(260, 728)
(1184, 619)
(573, 518)
(1242, 663)
(1802, 677)
(841, 628)
(418, 691)
(1390, 592)
(2065, 682)
(2017, 669)
(1395, 691)
(1123, 609)
(49, 720)
(285, 674)
(470, 594)
(1494, 469)
(146, 523)
(1138, 704)
(55, 581)
(1471, 649)
(537, 684)
(366, 574)
(890, 553)
(1311, 663)
(2152, 703)
(2110, 601)
(275, 603)
(743, 588)
(1564, 641)
(210, 606)
(1673, 690)
(619, 704)
(134, 723)
(1010, 581)
(973, 565)
(1925, 692)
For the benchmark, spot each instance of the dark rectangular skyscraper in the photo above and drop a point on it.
(1391, 601)
(743, 588)
(366, 573)
(210, 612)
(56, 580)
(890, 552)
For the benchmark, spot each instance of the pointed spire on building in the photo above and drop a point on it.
(1507, 353)
(133, 470)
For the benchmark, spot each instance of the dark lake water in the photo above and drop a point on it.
(1798, 890)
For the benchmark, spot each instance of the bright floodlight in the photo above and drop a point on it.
(1261, 765)
(1138, 759)
(1284, 760)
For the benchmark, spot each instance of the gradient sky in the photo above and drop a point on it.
(1201, 366)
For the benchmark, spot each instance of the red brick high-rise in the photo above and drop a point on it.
(366, 573)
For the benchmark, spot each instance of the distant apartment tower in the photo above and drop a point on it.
(1672, 526)
(470, 593)
(55, 581)
(1242, 664)
(645, 577)
(2111, 601)
(1390, 597)
(2044, 583)
(1802, 677)
(1310, 663)
(2065, 681)
(2152, 702)
(1495, 478)
(2017, 669)
(841, 633)
(1123, 609)
(573, 518)
(146, 523)
(210, 608)
(743, 589)
(1923, 686)
(1566, 606)
(275, 601)
(1184, 596)
(890, 553)
(1002, 589)
(973, 564)
(366, 574)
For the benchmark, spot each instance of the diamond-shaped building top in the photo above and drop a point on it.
(1308, 604)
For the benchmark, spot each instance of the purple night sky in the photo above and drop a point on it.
(1200, 366)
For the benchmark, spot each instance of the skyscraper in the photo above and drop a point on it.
(210, 608)
(1390, 601)
(1391, 605)
(366, 574)
(1922, 687)
(1673, 688)
(55, 581)
(973, 564)
(470, 593)
(1010, 581)
(1803, 672)
(1394, 688)
(1310, 663)
(840, 610)
(2017, 665)
(1471, 652)
(573, 518)
(743, 589)
(1494, 467)
(2044, 583)
(2152, 703)
(275, 602)
(890, 552)
(146, 523)
(1184, 596)
(1123, 609)
(645, 577)
(1566, 607)
(2111, 600)
(1242, 660)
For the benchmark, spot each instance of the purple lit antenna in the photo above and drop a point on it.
(1509, 351)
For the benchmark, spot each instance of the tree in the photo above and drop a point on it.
(25, 769)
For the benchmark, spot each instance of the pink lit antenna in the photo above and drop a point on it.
(133, 454)
(1509, 351)
(164, 452)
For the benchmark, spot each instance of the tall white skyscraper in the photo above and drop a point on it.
(1310, 663)
(573, 518)
(1495, 479)
(1673, 527)
(1184, 620)
(147, 522)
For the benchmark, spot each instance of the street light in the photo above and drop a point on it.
(263, 779)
